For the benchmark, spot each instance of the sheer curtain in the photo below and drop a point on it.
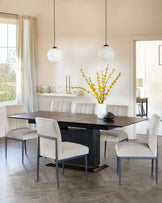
(26, 70)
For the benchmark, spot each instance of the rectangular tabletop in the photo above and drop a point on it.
(80, 120)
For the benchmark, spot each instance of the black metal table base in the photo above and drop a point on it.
(81, 168)
(87, 137)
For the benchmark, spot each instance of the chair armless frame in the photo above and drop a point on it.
(23, 146)
(56, 157)
(129, 157)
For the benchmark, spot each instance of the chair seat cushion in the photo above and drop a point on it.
(133, 149)
(70, 149)
(22, 133)
(114, 135)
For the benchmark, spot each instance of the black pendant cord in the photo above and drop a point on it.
(106, 23)
(54, 16)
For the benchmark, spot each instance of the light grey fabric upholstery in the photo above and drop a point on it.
(22, 134)
(15, 123)
(17, 128)
(50, 128)
(70, 149)
(152, 133)
(61, 106)
(85, 108)
(118, 110)
(134, 149)
(117, 134)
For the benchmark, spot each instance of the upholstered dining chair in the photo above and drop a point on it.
(135, 150)
(85, 108)
(50, 145)
(61, 105)
(117, 134)
(17, 129)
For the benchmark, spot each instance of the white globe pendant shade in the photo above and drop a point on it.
(106, 53)
(54, 54)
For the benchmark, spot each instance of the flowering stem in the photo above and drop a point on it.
(102, 81)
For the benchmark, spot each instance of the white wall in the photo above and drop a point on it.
(80, 33)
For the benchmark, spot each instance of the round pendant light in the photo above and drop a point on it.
(106, 52)
(54, 54)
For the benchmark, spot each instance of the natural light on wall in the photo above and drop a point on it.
(7, 60)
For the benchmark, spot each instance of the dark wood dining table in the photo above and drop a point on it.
(83, 129)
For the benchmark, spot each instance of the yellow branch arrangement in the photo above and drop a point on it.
(102, 89)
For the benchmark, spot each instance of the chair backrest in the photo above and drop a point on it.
(14, 123)
(85, 108)
(152, 132)
(118, 110)
(61, 106)
(50, 128)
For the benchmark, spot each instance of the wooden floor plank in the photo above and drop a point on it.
(18, 182)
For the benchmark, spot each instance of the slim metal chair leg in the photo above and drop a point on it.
(38, 156)
(152, 167)
(156, 170)
(128, 141)
(57, 174)
(5, 147)
(25, 147)
(37, 167)
(105, 150)
(117, 165)
(23, 152)
(86, 170)
(63, 168)
(119, 170)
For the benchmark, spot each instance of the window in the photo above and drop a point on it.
(7, 60)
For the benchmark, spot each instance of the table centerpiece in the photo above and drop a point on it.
(104, 84)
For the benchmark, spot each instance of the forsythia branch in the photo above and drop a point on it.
(100, 91)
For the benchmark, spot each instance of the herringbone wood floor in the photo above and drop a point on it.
(18, 182)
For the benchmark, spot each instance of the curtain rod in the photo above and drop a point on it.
(9, 13)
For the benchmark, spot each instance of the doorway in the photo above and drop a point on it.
(148, 81)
